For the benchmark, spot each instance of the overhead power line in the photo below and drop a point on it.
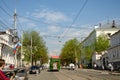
(20, 25)
(3, 20)
(5, 26)
(5, 11)
(35, 20)
(65, 32)
(7, 6)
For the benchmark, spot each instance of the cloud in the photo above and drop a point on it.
(76, 32)
(54, 29)
(31, 25)
(23, 20)
(54, 53)
(50, 16)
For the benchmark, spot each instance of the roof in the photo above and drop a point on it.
(115, 33)
(2, 32)
(54, 56)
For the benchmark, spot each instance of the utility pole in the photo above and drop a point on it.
(31, 50)
(76, 59)
(21, 48)
(15, 33)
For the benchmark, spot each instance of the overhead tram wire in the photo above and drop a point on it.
(1, 18)
(20, 25)
(65, 32)
(32, 19)
(5, 11)
(7, 14)
(7, 27)
(7, 6)
(3, 26)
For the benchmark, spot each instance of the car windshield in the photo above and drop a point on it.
(34, 67)
(21, 71)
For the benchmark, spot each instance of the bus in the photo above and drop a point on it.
(54, 63)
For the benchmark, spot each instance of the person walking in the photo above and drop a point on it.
(2, 75)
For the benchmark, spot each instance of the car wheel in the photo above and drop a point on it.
(37, 72)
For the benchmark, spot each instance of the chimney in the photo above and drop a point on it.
(113, 24)
(100, 25)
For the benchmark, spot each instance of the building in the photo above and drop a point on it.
(107, 29)
(114, 51)
(7, 44)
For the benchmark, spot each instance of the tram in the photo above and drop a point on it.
(54, 63)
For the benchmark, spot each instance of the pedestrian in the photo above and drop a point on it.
(111, 66)
(2, 75)
(11, 66)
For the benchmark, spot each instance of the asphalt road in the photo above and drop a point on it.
(79, 74)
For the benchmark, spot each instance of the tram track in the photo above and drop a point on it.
(92, 76)
(83, 75)
(79, 75)
(75, 75)
(69, 76)
(62, 76)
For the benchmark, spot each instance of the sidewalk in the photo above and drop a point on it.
(101, 71)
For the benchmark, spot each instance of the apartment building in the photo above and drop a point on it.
(114, 51)
(6, 46)
(107, 29)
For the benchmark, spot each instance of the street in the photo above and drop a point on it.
(79, 74)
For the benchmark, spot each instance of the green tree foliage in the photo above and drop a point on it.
(86, 54)
(39, 50)
(102, 43)
(70, 51)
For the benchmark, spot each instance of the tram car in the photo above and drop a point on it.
(54, 63)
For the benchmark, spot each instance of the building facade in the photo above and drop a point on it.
(6, 46)
(114, 51)
(107, 30)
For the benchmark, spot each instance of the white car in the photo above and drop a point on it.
(71, 66)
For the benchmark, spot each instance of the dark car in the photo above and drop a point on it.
(34, 70)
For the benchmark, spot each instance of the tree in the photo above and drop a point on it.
(102, 43)
(70, 52)
(34, 47)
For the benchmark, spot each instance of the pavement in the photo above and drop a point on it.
(101, 71)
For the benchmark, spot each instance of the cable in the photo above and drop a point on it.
(3, 20)
(20, 24)
(4, 24)
(5, 11)
(33, 19)
(7, 6)
(75, 18)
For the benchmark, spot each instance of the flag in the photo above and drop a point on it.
(18, 45)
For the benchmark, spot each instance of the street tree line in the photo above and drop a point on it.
(73, 49)
(34, 48)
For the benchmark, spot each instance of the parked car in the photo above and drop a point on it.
(71, 66)
(34, 70)
(22, 74)
(8, 72)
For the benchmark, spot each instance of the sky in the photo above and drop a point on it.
(58, 21)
